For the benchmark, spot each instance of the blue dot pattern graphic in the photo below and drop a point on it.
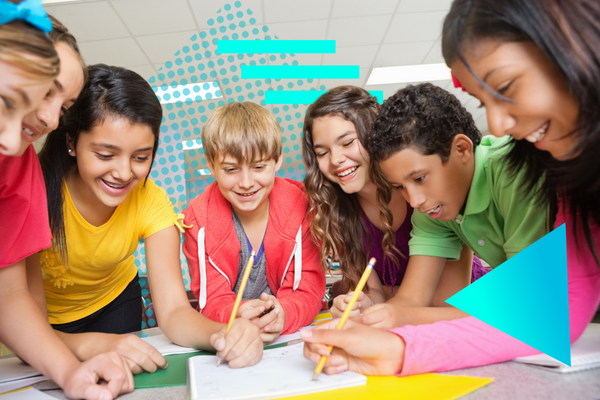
(180, 166)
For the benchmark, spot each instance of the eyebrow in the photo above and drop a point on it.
(485, 78)
(113, 147)
(417, 171)
(24, 96)
(337, 139)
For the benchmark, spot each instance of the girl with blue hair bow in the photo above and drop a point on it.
(28, 66)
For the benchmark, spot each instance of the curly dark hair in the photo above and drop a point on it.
(425, 117)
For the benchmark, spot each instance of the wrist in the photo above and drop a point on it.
(398, 346)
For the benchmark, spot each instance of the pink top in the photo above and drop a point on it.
(24, 227)
(468, 342)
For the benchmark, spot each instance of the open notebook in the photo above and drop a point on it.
(282, 372)
(585, 354)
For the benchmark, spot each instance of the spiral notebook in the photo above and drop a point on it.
(585, 354)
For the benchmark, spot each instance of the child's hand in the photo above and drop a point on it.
(359, 348)
(341, 302)
(384, 316)
(241, 347)
(139, 355)
(271, 324)
(253, 308)
(82, 382)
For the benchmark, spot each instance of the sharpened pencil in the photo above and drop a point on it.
(240, 294)
(359, 288)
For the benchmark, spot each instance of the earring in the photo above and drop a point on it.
(70, 151)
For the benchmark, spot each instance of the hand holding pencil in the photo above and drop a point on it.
(357, 291)
(239, 342)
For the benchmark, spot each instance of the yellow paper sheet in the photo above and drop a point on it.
(416, 387)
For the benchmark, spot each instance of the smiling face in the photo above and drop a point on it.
(61, 95)
(341, 157)
(246, 186)
(542, 109)
(429, 185)
(112, 159)
(18, 97)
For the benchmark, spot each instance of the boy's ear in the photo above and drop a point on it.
(463, 147)
(211, 168)
(279, 162)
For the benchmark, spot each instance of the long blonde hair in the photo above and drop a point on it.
(29, 50)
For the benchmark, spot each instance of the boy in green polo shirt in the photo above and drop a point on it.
(461, 187)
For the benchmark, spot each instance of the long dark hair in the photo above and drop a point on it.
(110, 92)
(569, 36)
(335, 216)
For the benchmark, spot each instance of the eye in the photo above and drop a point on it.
(104, 156)
(420, 179)
(348, 143)
(481, 105)
(398, 187)
(259, 167)
(142, 158)
(229, 170)
(319, 155)
(8, 103)
(504, 89)
(63, 110)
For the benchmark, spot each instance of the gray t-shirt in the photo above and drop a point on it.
(257, 282)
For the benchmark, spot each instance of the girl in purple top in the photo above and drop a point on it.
(345, 211)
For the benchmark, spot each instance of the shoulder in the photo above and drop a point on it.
(288, 189)
(493, 151)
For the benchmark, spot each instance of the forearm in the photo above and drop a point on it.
(186, 327)
(35, 282)
(26, 331)
(429, 315)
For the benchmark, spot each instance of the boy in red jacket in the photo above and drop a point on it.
(249, 208)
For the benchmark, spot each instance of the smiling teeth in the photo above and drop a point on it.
(28, 131)
(347, 172)
(435, 210)
(247, 194)
(114, 186)
(537, 135)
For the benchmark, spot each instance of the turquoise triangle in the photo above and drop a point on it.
(527, 297)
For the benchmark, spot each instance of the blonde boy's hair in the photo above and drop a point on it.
(245, 131)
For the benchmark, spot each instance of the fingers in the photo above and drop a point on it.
(241, 346)
(143, 356)
(110, 367)
(375, 316)
(270, 318)
(255, 309)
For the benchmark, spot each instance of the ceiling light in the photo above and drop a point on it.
(409, 73)
(194, 91)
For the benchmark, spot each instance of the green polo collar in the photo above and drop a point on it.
(479, 193)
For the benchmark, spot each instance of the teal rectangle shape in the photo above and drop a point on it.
(276, 46)
(304, 96)
(300, 72)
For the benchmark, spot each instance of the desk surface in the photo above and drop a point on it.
(511, 381)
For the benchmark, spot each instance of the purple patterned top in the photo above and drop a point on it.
(390, 275)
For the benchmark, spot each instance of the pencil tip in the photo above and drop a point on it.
(218, 362)
(315, 376)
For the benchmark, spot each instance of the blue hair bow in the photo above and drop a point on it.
(30, 11)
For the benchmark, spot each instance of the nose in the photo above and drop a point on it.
(500, 121)
(122, 170)
(49, 113)
(337, 157)
(415, 198)
(10, 138)
(246, 181)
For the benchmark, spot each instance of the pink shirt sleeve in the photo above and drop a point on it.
(468, 342)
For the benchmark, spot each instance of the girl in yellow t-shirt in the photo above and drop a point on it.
(101, 204)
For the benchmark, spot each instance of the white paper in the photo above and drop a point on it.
(585, 353)
(21, 383)
(281, 372)
(164, 345)
(12, 368)
(27, 394)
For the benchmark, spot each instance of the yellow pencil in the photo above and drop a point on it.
(240, 294)
(359, 288)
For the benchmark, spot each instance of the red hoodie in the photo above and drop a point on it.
(294, 272)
